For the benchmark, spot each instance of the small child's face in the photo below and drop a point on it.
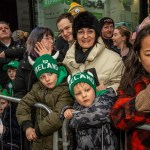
(3, 105)
(48, 80)
(11, 73)
(84, 94)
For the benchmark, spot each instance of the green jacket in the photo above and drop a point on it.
(46, 124)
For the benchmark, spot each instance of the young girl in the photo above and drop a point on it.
(90, 114)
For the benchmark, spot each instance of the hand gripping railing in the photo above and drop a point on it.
(65, 141)
(38, 105)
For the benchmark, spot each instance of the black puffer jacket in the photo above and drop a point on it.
(24, 79)
(62, 46)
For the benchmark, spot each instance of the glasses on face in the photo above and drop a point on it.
(50, 38)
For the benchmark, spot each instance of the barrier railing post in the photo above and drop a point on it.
(65, 142)
(38, 105)
(65, 135)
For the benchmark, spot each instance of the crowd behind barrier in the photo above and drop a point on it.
(42, 106)
(65, 141)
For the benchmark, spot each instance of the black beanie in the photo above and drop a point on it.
(105, 20)
(85, 20)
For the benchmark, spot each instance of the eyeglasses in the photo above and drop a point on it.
(49, 38)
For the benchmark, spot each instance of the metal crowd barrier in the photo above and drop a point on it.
(64, 140)
(56, 139)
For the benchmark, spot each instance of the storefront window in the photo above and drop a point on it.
(123, 12)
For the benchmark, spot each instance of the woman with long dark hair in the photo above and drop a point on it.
(133, 106)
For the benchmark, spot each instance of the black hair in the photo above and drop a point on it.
(85, 20)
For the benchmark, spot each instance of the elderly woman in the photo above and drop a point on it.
(89, 51)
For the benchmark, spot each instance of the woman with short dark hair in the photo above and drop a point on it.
(89, 51)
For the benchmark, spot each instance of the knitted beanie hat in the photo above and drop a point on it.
(81, 77)
(44, 64)
(11, 64)
(104, 20)
(85, 20)
(75, 9)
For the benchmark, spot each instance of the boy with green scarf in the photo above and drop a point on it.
(51, 90)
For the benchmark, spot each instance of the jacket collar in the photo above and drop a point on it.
(96, 50)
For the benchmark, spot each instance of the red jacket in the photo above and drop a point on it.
(126, 117)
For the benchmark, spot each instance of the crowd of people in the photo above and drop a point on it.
(93, 74)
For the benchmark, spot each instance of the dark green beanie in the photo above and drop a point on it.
(81, 77)
(12, 64)
(44, 64)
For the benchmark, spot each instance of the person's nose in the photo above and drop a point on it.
(52, 40)
(11, 72)
(3, 29)
(47, 78)
(85, 35)
(110, 29)
(84, 94)
(65, 32)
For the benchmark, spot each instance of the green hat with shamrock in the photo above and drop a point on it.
(11, 64)
(81, 77)
(44, 64)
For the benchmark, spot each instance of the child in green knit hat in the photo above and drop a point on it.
(11, 69)
(89, 116)
(53, 91)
